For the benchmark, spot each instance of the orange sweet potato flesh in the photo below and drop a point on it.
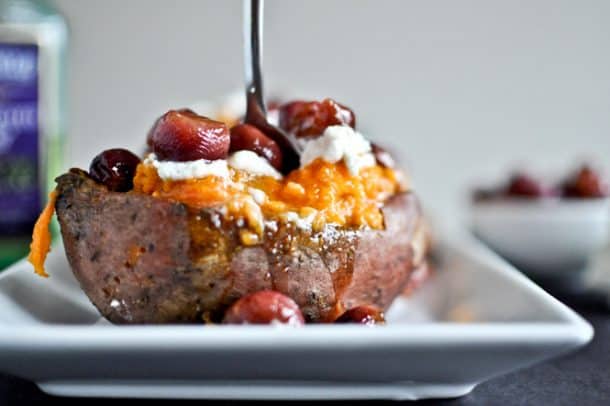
(142, 259)
(41, 237)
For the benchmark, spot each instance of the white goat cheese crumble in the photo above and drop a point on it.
(246, 161)
(258, 195)
(175, 170)
(340, 142)
(251, 162)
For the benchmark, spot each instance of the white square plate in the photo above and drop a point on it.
(477, 318)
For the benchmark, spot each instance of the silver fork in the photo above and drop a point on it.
(256, 112)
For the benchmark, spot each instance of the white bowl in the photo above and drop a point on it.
(545, 237)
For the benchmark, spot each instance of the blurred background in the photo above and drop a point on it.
(462, 91)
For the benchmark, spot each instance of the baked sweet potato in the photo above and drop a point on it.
(142, 259)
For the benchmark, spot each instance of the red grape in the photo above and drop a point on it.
(264, 307)
(114, 168)
(182, 135)
(248, 137)
(522, 185)
(310, 119)
(586, 183)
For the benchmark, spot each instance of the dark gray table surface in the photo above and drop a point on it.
(580, 378)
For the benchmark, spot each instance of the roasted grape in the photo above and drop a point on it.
(310, 119)
(586, 183)
(264, 307)
(114, 168)
(182, 135)
(522, 185)
(248, 137)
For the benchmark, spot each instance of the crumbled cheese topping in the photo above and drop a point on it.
(246, 161)
(174, 170)
(254, 215)
(258, 195)
(251, 162)
(340, 142)
(271, 225)
(302, 223)
(336, 144)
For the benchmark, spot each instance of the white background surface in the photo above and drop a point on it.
(466, 89)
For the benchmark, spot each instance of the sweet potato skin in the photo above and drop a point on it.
(145, 260)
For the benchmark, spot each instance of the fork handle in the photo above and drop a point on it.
(253, 49)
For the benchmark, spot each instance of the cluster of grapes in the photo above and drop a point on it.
(183, 135)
